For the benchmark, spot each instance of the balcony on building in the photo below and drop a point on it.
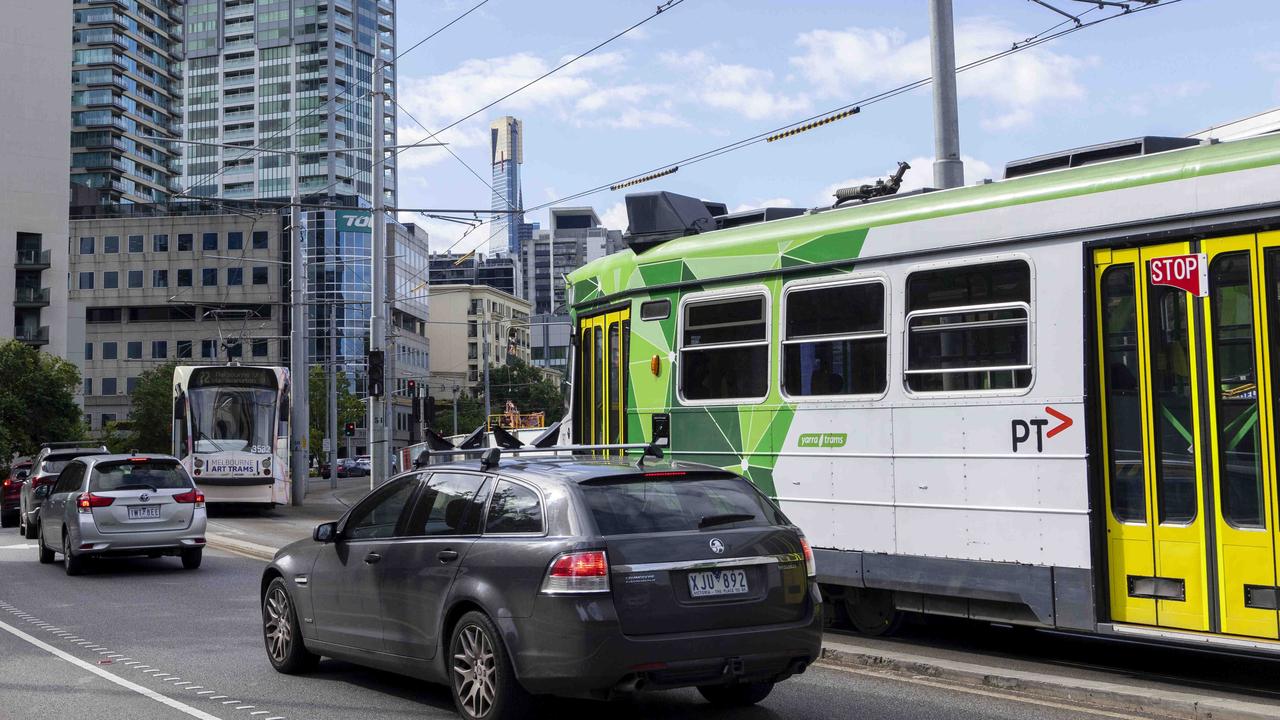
(31, 297)
(32, 335)
(33, 260)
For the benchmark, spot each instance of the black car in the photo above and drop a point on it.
(566, 576)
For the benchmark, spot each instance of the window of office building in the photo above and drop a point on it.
(260, 275)
(184, 278)
(108, 350)
(184, 349)
(86, 281)
(88, 351)
(110, 280)
(86, 246)
(160, 278)
(260, 347)
(210, 241)
(130, 384)
(235, 240)
(184, 242)
(160, 243)
(133, 350)
(208, 348)
(159, 349)
(135, 278)
(88, 386)
(135, 243)
(260, 240)
(108, 388)
(235, 276)
(111, 244)
(209, 277)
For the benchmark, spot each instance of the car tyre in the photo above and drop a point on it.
(73, 564)
(46, 555)
(737, 694)
(282, 634)
(191, 558)
(29, 531)
(484, 686)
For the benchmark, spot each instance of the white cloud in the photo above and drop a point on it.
(920, 175)
(771, 202)
(845, 62)
(740, 88)
(615, 217)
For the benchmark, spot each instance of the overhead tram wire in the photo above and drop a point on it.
(368, 87)
(1031, 42)
(664, 7)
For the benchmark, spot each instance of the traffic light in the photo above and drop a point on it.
(375, 373)
(413, 388)
(349, 429)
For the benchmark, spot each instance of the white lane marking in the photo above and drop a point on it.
(985, 693)
(205, 692)
(109, 677)
(26, 546)
(217, 697)
(244, 707)
(260, 712)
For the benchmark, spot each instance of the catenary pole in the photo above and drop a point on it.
(332, 426)
(300, 419)
(948, 169)
(377, 326)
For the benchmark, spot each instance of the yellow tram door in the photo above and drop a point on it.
(603, 377)
(1241, 317)
(1156, 543)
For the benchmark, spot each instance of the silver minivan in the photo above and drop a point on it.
(117, 505)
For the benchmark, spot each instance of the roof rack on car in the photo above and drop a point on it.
(490, 456)
(67, 444)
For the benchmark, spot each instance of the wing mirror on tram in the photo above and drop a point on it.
(326, 533)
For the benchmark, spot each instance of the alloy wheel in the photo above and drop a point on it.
(475, 668)
(278, 625)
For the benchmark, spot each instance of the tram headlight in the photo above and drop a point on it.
(266, 466)
(198, 462)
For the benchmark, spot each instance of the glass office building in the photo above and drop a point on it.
(506, 145)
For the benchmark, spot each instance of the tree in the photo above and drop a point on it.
(150, 425)
(37, 399)
(350, 407)
(527, 387)
(470, 414)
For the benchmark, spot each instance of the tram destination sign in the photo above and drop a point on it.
(1185, 272)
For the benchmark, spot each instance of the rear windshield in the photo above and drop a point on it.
(134, 475)
(58, 463)
(631, 505)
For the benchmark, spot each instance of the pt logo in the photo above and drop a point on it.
(1021, 429)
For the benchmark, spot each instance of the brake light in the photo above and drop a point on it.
(8, 483)
(191, 496)
(87, 501)
(666, 473)
(578, 573)
(809, 562)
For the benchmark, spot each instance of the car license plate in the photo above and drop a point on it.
(144, 512)
(711, 583)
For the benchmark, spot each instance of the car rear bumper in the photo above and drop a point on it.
(573, 646)
(88, 540)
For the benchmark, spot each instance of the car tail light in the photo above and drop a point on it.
(809, 563)
(8, 483)
(190, 496)
(87, 501)
(578, 573)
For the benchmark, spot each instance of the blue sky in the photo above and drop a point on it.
(709, 72)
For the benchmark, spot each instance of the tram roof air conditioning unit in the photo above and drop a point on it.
(656, 217)
(1075, 157)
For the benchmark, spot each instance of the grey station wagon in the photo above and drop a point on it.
(565, 576)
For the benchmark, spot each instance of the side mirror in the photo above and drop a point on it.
(326, 533)
(22, 475)
(42, 491)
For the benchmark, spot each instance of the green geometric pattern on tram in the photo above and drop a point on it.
(662, 273)
(842, 245)
(589, 288)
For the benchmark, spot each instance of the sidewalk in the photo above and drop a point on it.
(259, 535)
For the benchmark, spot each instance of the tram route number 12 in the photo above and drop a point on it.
(1021, 429)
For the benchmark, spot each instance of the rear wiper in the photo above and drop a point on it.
(712, 520)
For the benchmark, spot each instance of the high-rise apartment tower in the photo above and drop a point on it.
(506, 144)
(126, 74)
(289, 74)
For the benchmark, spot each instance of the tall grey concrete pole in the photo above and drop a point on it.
(389, 343)
(300, 417)
(485, 361)
(948, 169)
(377, 296)
(331, 427)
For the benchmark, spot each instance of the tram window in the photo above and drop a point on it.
(969, 328)
(724, 353)
(1125, 475)
(1235, 391)
(835, 342)
(655, 310)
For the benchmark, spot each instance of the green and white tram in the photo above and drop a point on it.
(231, 431)
(1046, 400)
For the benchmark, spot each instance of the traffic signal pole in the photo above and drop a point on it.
(378, 294)
(299, 383)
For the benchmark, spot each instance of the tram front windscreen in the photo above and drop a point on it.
(233, 410)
